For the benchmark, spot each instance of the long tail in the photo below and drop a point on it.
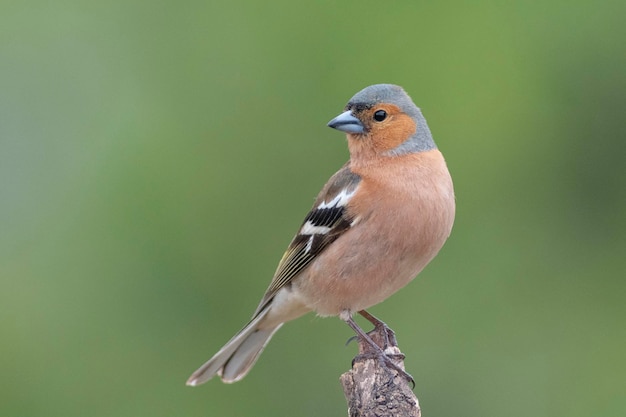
(237, 357)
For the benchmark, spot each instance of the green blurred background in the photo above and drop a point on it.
(157, 157)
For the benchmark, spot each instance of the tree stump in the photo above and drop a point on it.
(373, 389)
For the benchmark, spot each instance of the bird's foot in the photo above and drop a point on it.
(379, 343)
(381, 332)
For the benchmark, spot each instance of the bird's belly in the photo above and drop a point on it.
(357, 273)
(397, 231)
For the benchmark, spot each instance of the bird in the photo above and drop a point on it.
(373, 227)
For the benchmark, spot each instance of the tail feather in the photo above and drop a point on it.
(242, 360)
(233, 361)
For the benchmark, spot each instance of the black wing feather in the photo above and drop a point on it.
(304, 248)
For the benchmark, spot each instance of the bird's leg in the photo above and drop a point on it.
(386, 334)
(369, 348)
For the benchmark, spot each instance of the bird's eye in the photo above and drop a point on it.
(380, 115)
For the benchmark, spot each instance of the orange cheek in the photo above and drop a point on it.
(393, 134)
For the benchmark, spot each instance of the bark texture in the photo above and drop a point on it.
(374, 389)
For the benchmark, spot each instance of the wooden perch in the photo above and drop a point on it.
(374, 389)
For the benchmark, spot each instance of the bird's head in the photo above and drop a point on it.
(382, 120)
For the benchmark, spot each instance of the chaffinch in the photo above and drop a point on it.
(374, 226)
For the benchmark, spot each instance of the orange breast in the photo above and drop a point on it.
(404, 211)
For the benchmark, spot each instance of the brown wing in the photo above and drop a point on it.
(327, 220)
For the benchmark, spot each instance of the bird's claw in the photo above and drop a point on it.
(352, 339)
(387, 360)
